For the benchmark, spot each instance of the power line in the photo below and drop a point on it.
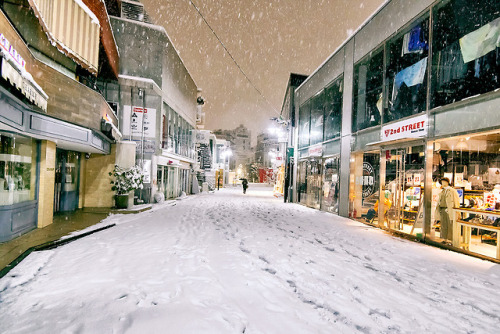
(230, 55)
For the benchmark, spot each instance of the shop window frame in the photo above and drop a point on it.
(434, 100)
(380, 50)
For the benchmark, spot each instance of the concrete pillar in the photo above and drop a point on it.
(47, 181)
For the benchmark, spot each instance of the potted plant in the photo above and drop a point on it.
(126, 180)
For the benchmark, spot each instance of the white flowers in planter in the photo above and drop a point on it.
(127, 180)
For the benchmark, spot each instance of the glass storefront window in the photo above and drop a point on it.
(472, 164)
(331, 183)
(407, 72)
(367, 94)
(17, 169)
(333, 109)
(317, 117)
(404, 188)
(364, 185)
(304, 121)
(466, 53)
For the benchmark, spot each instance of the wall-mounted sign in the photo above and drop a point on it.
(14, 71)
(146, 170)
(149, 146)
(135, 118)
(5, 44)
(201, 136)
(409, 128)
(316, 151)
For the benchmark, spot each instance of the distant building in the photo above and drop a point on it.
(241, 145)
(158, 102)
(267, 149)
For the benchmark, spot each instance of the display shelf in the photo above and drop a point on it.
(468, 226)
(495, 213)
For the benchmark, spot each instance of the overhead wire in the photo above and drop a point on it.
(232, 58)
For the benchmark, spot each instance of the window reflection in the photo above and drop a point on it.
(368, 84)
(17, 169)
(466, 53)
(407, 72)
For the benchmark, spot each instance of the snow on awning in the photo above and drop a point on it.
(72, 28)
(22, 80)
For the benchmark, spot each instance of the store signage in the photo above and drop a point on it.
(137, 119)
(409, 128)
(5, 44)
(202, 136)
(316, 151)
(14, 71)
(146, 170)
(367, 180)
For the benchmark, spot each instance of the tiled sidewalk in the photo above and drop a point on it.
(63, 225)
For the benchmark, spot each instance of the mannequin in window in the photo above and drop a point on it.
(448, 199)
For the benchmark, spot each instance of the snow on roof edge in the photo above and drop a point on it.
(362, 25)
(162, 29)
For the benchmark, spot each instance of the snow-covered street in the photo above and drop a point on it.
(234, 263)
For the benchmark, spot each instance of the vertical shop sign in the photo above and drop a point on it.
(146, 169)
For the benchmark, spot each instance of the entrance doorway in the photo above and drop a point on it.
(404, 185)
(67, 181)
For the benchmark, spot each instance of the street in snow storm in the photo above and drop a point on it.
(226, 262)
(215, 166)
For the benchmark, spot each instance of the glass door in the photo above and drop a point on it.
(67, 180)
(331, 183)
(403, 195)
(314, 176)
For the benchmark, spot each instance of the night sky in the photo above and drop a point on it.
(269, 39)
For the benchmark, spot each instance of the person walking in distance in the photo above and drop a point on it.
(244, 183)
(448, 199)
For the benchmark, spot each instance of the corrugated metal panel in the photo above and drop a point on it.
(73, 27)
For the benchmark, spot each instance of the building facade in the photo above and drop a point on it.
(267, 150)
(156, 101)
(287, 123)
(240, 140)
(56, 129)
(399, 106)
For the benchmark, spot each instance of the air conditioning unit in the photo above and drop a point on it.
(132, 10)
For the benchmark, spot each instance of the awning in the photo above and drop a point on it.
(23, 81)
(392, 142)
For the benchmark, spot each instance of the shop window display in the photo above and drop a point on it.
(368, 86)
(304, 124)
(317, 118)
(472, 164)
(331, 183)
(406, 78)
(17, 169)
(314, 183)
(364, 186)
(333, 109)
(403, 190)
(302, 182)
(466, 50)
